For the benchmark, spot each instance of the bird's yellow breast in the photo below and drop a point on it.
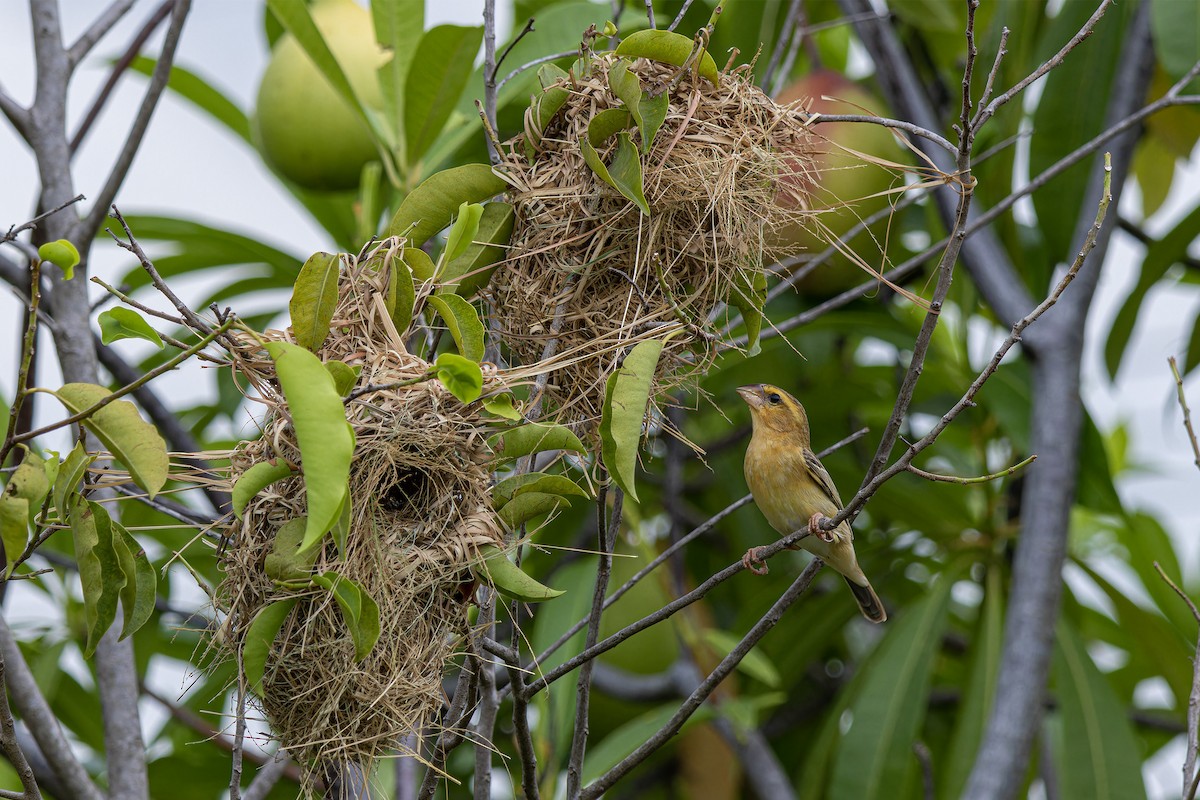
(782, 486)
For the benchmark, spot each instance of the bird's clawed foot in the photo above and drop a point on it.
(753, 562)
(814, 527)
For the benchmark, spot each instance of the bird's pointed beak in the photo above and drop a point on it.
(753, 395)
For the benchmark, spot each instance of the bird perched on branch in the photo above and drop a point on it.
(794, 491)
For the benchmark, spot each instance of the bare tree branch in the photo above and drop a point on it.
(98, 30)
(11, 748)
(1187, 413)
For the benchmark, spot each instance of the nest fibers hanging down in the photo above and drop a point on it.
(419, 480)
(589, 271)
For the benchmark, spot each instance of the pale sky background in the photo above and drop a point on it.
(191, 167)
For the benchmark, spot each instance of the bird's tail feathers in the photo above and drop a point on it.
(868, 601)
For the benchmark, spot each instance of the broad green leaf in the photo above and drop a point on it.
(201, 94)
(1176, 29)
(255, 479)
(438, 73)
(463, 231)
(625, 175)
(471, 271)
(131, 440)
(125, 323)
(552, 98)
(494, 568)
(62, 254)
(1098, 756)
(1154, 168)
(545, 483)
(875, 755)
(667, 47)
(618, 744)
(626, 395)
(29, 480)
(983, 670)
(99, 569)
(461, 376)
(263, 630)
(398, 26)
(462, 320)
(626, 85)
(286, 561)
(420, 263)
(359, 611)
(654, 114)
(428, 208)
(14, 528)
(525, 506)
(344, 376)
(325, 439)
(755, 663)
(607, 123)
(314, 298)
(534, 438)
(501, 405)
(402, 292)
(141, 581)
(71, 472)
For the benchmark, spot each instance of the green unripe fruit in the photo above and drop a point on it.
(305, 129)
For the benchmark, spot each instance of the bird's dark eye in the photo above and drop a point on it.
(774, 399)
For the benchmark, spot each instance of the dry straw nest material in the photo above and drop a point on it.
(591, 273)
(419, 480)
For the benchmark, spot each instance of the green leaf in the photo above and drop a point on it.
(1154, 168)
(286, 561)
(419, 263)
(501, 405)
(344, 376)
(62, 254)
(125, 323)
(667, 47)
(402, 292)
(1176, 29)
(341, 528)
(607, 123)
(463, 231)
(359, 611)
(542, 482)
(29, 481)
(527, 505)
(617, 745)
(654, 113)
(141, 581)
(534, 438)
(439, 71)
(398, 26)
(1098, 756)
(755, 663)
(14, 528)
(71, 472)
(875, 755)
(625, 174)
(749, 296)
(200, 93)
(314, 299)
(626, 85)
(463, 322)
(99, 570)
(1192, 359)
(626, 395)
(257, 478)
(131, 440)
(461, 376)
(428, 208)
(263, 630)
(471, 271)
(496, 570)
(326, 441)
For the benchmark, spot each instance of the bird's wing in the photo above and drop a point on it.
(817, 470)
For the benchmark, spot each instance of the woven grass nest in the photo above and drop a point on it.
(419, 481)
(589, 271)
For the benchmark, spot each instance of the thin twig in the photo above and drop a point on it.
(12, 749)
(790, 22)
(537, 62)
(679, 17)
(898, 124)
(490, 66)
(528, 29)
(193, 320)
(1187, 414)
(1191, 777)
(97, 31)
(933, 476)
(32, 224)
(27, 347)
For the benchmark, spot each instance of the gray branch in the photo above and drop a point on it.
(98, 30)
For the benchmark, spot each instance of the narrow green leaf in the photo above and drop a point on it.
(439, 71)
(462, 320)
(1192, 358)
(359, 611)
(461, 376)
(141, 581)
(654, 114)
(749, 296)
(626, 85)
(286, 561)
(14, 528)
(398, 26)
(501, 405)
(755, 663)
(496, 570)
(626, 395)
(626, 172)
(131, 440)
(344, 376)
(341, 528)
(463, 231)
(71, 472)
(527, 505)
(263, 630)
(1098, 756)
(534, 438)
(472, 270)
(402, 292)
(100, 572)
(314, 298)
(326, 441)
(124, 323)
(875, 755)
(62, 254)
(257, 478)
(667, 47)
(1176, 29)
(200, 93)
(545, 483)
(618, 744)
(428, 208)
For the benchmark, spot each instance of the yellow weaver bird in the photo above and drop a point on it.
(793, 490)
